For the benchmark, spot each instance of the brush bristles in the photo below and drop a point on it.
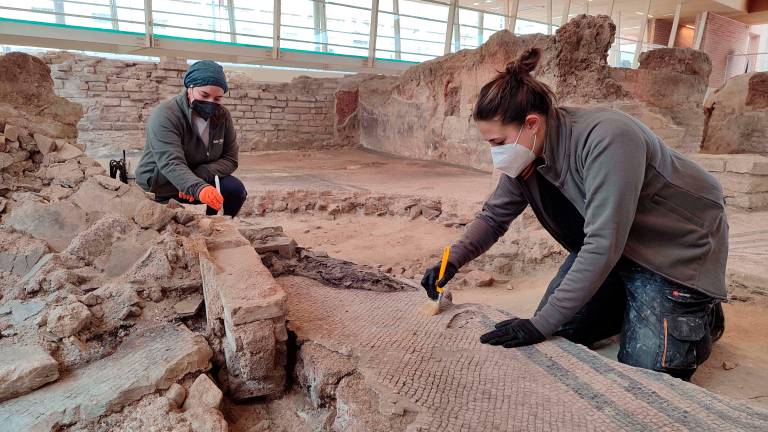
(431, 308)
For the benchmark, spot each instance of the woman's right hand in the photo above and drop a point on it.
(210, 196)
(430, 282)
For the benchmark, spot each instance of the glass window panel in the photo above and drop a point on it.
(253, 22)
(34, 10)
(96, 12)
(297, 24)
(493, 22)
(350, 27)
(532, 17)
(386, 6)
(424, 9)
(200, 19)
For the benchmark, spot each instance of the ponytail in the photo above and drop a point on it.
(514, 93)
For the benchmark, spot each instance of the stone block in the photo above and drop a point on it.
(68, 174)
(320, 370)
(68, 151)
(248, 290)
(203, 394)
(19, 253)
(69, 319)
(753, 201)
(23, 369)
(45, 144)
(206, 420)
(152, 267)
(224, 235)
(188, 306)
(255, 362)
(12, 132)
(177, 394)
(150, 214)
(711, 163)
(743, 183)
(145, 362)
(92, 77)
(241, 292)
(104, 194)
(284, 246)
(55, 223)
(21, 311)
(747, 164)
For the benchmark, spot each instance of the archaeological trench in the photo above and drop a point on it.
(119, 313)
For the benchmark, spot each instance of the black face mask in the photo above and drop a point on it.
(205, 109)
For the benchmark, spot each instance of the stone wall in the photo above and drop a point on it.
(737, 116)
(426, 113)
(118, 97)
(744, 178)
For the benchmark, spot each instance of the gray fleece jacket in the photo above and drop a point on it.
(638, 198)
(176, 159)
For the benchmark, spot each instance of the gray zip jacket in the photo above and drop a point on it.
(176, 159)
(638, 198)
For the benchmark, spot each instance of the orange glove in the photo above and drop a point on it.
(189, 198)
(210, 196)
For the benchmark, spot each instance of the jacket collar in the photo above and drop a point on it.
(556, 147)
(183, 102)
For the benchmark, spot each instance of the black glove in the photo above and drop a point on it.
(430, 278)
(515, 333)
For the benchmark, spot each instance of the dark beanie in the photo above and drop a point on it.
(204, 73)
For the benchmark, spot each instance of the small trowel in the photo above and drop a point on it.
(218, 189)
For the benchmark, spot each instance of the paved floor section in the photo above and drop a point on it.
(359, 170)
(438, 365)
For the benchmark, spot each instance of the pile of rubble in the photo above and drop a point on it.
(101, 287)
(526, 247)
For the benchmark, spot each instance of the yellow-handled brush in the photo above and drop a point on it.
(433, 306)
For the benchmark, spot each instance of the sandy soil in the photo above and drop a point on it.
(399, 242)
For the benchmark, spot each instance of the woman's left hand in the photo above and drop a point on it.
(513, 333)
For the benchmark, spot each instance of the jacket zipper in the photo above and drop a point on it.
(540, 215)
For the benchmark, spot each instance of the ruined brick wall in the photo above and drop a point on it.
(118, 97)
(426, 113)
(722, 37)
(659, 31)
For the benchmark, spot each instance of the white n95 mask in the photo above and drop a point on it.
(512, 159)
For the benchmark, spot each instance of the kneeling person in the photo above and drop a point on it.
(190, 140)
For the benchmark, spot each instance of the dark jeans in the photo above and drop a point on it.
(664, 326)
(233, 191)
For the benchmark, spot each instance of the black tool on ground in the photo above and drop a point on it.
(119, 166)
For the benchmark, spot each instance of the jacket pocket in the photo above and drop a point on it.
(691, 207)
(682, 213)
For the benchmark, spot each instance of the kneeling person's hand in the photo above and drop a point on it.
(512, 333)
(211, 197)
(430, 282)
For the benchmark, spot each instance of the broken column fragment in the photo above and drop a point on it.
(141, 365)
(242, 293)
